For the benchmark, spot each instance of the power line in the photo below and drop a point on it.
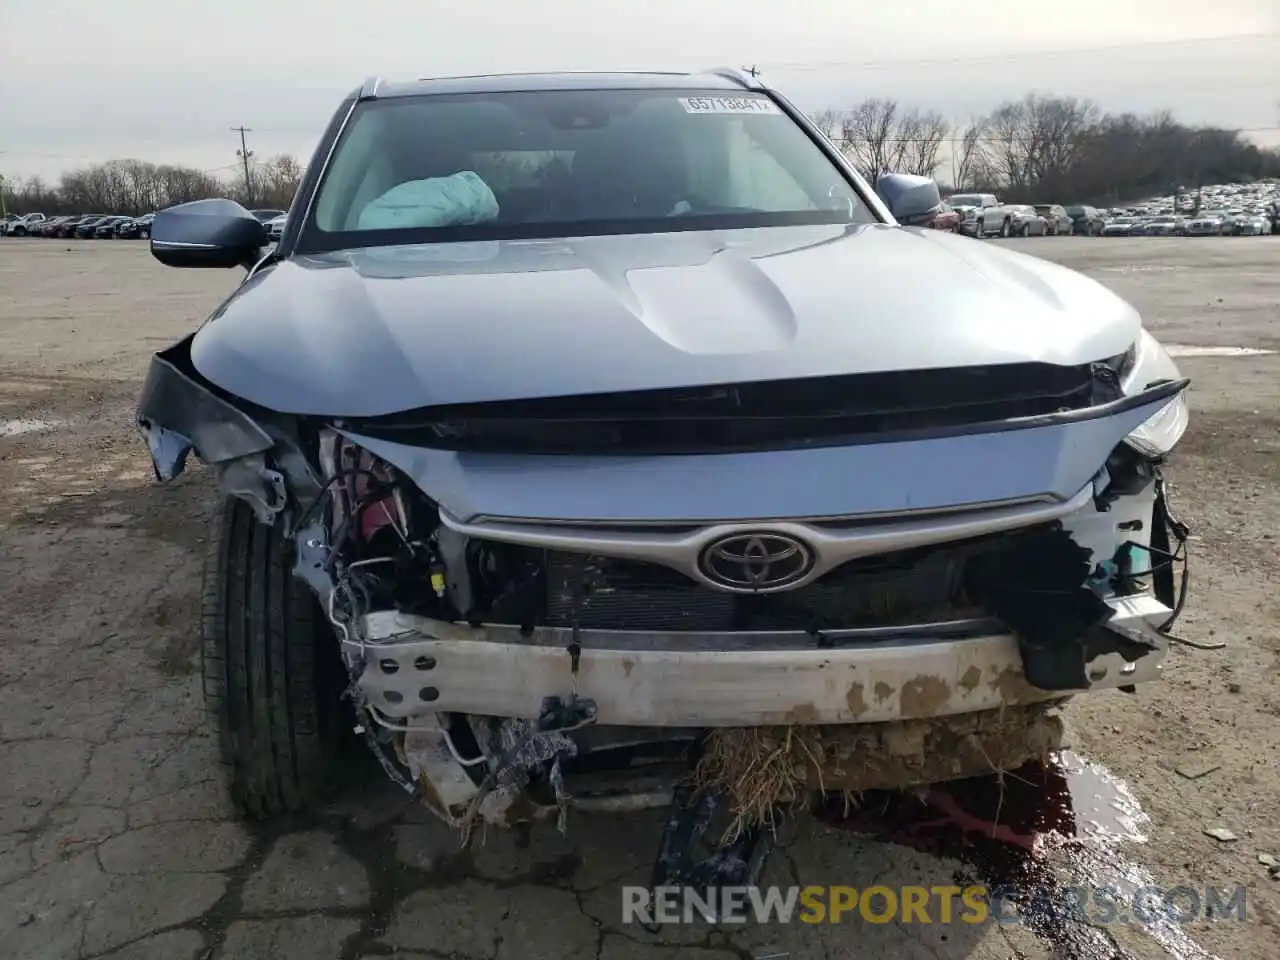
(1008, 57)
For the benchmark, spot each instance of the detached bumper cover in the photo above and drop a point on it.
(414, 665)
(177, 414)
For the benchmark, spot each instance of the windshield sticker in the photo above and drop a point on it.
(737, 105)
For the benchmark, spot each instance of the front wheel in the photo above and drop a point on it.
(19, 232)
(273, 677)
(1006, 229)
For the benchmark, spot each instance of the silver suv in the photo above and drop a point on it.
(583, 427)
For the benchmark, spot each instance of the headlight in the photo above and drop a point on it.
(1147, 363)
(1157, 437)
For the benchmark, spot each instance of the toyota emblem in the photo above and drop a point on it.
(754, 562)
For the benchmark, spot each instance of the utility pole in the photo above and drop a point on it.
(244, 153)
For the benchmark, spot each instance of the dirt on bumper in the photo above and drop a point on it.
(415, 665)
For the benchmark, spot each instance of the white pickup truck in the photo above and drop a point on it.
(22, 226)
(982, 214)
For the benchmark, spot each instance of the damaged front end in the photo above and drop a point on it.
(674, 597)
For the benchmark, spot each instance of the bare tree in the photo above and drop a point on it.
(921, 134)
(830, 122)
(969, 165)
(278, 181)
(870, 135)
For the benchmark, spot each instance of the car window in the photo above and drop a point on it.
(565, 163)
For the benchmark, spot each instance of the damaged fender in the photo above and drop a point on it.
(179, 413)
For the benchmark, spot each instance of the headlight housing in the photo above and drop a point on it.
(1142, 365)
(1157, 437)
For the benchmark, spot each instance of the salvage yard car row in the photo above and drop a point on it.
(1214, 211)
(82, 227)
(96, 226)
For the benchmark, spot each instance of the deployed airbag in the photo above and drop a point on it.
(458, 200)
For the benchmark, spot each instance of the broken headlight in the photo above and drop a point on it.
(1143, 365)
(1157, 437)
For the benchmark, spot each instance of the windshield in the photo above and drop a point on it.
(498, 166)
(965, 200)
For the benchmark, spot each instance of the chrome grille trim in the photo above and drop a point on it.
(832, 546)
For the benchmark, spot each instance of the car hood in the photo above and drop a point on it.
(381, 330)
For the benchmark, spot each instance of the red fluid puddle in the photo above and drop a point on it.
(1048, 831)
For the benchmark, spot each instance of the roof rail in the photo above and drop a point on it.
(740, 77)
(370, 88)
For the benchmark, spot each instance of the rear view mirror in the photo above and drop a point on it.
(912, 200)
(207, 233)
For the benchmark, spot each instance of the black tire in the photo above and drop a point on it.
(19, 232)
(1006, 229)
(980, 231)
(145, 233)
(272, 673)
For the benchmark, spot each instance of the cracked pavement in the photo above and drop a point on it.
(116, 836)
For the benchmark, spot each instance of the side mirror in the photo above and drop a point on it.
(207, 233)
(912, 200)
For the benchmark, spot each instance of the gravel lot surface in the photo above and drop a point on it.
(115, 835)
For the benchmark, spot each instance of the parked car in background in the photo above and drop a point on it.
(138, 227)
(106, 229)
(1122, 226)
(1056, 218)
(1026, 222)
(275, 226)
(1163, 226)
(982, 214)
(1208, 223)
(1252, 225)
(85, 228)
(1086, 220)
(1232, 219)
(46, 227)
(67, 228)
(266, 216)
(945, 219)
(23, 225)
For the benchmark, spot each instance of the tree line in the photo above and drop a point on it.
(1047, 148)
(136, 187)
(1041, 148)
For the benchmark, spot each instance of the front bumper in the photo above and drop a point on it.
(413, 665)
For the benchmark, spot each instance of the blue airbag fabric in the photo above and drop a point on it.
(458, 200)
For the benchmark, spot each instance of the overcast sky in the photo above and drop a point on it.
(164, 80)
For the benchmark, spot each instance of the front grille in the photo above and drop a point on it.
(917, 586)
